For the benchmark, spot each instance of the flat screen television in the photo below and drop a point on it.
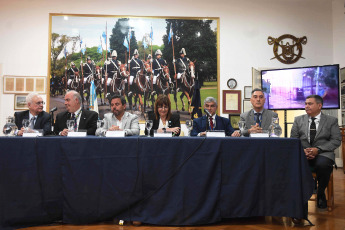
(288, 88)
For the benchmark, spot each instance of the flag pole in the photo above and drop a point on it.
(172, 43)
(81, 66)
(106, 59)
(129, 55)
(66, 69)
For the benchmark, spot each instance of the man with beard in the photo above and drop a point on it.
(119, 119)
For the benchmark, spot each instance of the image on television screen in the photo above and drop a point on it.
(288, 88)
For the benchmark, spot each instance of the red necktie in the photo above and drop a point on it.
(211, 123)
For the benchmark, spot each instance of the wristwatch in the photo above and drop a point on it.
(318, 150)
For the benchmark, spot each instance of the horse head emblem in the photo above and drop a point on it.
(290, 51)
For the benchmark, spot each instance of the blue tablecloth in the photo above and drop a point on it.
(166, 181)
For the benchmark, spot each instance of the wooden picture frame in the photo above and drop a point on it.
(247, 92)
(247, 105)
(232, 101)
(234, 119)
(24, 84)
(20, 102)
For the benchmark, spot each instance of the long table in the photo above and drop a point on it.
(165, 181)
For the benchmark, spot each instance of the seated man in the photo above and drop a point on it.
(258, 118)
(215, 122)
(119, 119)
(320, 136)
(38, 118)
(85, 119)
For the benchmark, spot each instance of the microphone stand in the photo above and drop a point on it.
(52, 122)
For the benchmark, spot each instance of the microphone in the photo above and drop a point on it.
(207, 113)
(53, 109)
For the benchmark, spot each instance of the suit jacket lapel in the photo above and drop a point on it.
(26, 115)
(124, 120)
(38, 121)
(82, 122)
(306, 124)
(265, 119)
(204, 122)
(250, 118)
(321, 124)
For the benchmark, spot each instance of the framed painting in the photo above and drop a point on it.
(107, 39)
(234, 119)
(232, 101)
(20, 102)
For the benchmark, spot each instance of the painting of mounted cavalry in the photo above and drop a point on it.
(136, 57)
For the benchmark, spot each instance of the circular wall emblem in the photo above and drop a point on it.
(287, 48)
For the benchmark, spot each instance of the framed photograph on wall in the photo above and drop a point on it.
(75, 37)
(232, 101)
(24, 84)
(234, 119)
(20, 102)
(247, 92)
(256, 78)
(247, 105)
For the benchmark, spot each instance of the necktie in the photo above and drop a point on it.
(211, 123)
(312, 130)
(257, 120)
(75, 121)
(32, 122)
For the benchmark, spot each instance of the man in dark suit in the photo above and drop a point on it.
(258, 118)
(38, 118)
(320, 136)
(215, 122)
(84, 119)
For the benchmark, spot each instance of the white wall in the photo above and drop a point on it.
(339, 32)
(244, 28)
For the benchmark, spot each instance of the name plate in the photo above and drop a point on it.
(76, 134)
(215, 134)
(120, 133)
(259, 135)
(162, 134)
(32, 134)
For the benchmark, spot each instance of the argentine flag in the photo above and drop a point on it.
(93, 97)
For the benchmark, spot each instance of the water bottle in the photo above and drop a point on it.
(275, 129)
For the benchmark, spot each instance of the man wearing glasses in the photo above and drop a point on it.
(211, 122)
(38, 118)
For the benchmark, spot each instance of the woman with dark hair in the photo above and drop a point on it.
(163, 119)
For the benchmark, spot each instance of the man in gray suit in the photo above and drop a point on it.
(320, 136)
(119, 119)
(258, 118)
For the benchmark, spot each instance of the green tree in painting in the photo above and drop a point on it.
(200, 42)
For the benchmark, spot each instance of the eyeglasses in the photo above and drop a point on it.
(40, 102)
(163, 107)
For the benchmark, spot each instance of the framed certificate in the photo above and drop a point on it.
(232, 101)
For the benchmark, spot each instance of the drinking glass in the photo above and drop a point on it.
(241, 125)
(26, 123)
(149, 124)
(100, 125)
(189, 124)
(70, 125)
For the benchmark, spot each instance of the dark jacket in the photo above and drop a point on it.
(200, 125)
(88, 121)
(173, 122)
(42, 122)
